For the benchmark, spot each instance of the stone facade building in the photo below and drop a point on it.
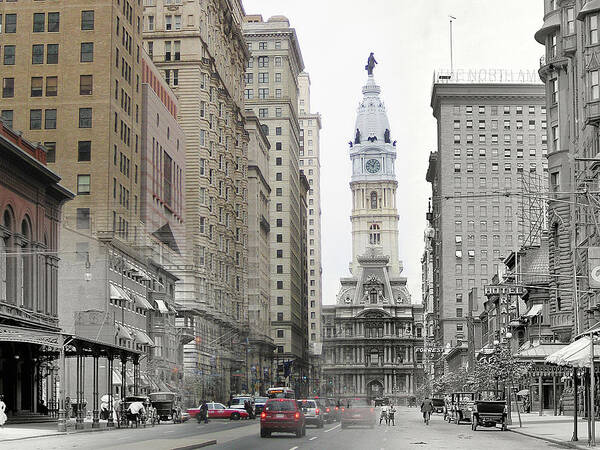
(570, 70)
(373, 335)
(491, 146)
(31, 199)
(271, 91)
(201, 54)
(259, 263)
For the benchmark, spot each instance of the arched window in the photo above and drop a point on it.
(26, 265)
(373, 200)
(9, 262)
(373, 296)
(374, 235)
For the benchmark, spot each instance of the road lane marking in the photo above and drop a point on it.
(331, 429)
(294, 448)
(312, 438)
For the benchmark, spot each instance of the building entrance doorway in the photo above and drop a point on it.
(374, 390)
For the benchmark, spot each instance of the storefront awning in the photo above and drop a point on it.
(117, 377)
(117, 293)
(123, 333)
(162, 307)
(141, 301)
(576, 354)
(142, 338)
(534, 311)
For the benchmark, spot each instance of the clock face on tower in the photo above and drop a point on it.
(372, 166)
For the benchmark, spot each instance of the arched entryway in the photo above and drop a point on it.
(374, 389)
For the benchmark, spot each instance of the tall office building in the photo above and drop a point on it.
(310, 164)
(201, 53)
(272, 93)
(71, 79)
(491, 144)
(571, 72)
(262, 346)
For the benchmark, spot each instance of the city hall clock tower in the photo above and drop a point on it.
(373, 153)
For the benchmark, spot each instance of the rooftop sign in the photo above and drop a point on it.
(489, 75)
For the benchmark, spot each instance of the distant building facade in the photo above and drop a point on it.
(491, 147)
(373, 335)
(259, 253)
(201, 53)
(271, 91)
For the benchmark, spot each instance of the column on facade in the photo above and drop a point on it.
(407, 383)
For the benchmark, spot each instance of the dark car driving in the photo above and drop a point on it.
(282, 415)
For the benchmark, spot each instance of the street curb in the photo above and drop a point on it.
(195, 446)
(62, 433)
(552, 441)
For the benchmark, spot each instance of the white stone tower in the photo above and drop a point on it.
(373, 153)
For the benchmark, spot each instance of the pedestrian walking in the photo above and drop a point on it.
(426, 408)
(391, 413)
(384, 414)
(203, 413)
(561, 406)
(2, 411)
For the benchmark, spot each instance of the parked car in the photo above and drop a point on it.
(259, 404)
(282, 415)
(220, 411)
(312, 412)
(357, 412)
(489, 413)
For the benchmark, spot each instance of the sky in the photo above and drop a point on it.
(410, 40)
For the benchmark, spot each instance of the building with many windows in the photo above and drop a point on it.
(201, 54)
(259, 264)
(373, 335)
(570, 70)
(491, 150)
(271, 91)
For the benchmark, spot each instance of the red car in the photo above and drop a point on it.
(282, 415)
(219, 411)
(357, 412)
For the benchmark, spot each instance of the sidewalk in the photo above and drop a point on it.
(555, 429)
(26, 431)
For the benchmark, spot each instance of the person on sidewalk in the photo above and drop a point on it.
(426, 408)
(561, 406)
(384, 414)
(3, 417)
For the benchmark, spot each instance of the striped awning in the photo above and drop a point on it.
(141, 301)
(123, 332)
(117, 293)
(162, 307)
(142, 338)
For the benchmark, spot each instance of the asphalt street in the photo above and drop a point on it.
(409, 433)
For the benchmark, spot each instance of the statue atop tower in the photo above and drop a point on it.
(370, 64)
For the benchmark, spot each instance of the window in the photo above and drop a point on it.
(83, 184)
(594, 85)
(263, 93)
(50, 119)
(87, 52)
(51, 86)
(459, 312)
(37, 85)
(83, 218)
(263, 61)
(53, 22)
(168, 23)
(373, 200)
(374, 235)
(570, 20)
(84, 151)
(85, 117)
(7, 116)
(554, 90)
(8, 87)
(87, 20)
(85, 84)
(593, 30)
(39, 22)
(9, 55)
(10, 23)
(50, 151)
(51, 53)
(37, 54)
(35, 119)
